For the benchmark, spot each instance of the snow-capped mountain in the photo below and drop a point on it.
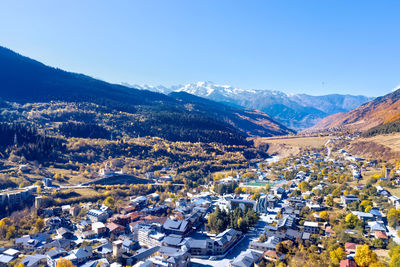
(296, 111)
(158, 89)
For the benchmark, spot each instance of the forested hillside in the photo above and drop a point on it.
(387, 128)
(26, 142)
(135, 112)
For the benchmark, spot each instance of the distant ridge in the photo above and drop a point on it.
(296, 111)
(380, 111)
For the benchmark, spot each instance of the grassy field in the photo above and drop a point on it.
(71, 177)
(83, 192)
(385, 147)
(389, 140)
(76, 195)
(394, 191)
(257, 184)
(6, 243)
(290, 145)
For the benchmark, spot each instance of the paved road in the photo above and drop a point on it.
(328, 148)
(393, 232)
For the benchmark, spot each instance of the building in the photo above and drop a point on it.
(64, 233)
(34, 260)
(80, 255)
(212, 246)
(95, 215)
(16, 199)
(347, 199)
(225, 240)
(382, 236)
(143, 254)
(117, 248)
(376, 226)
(47, 182)
(115, 229)
(270, 244)
(200, 246)
(347, 263)
(129, 245)
(395, 201)
(99, 228)
(279, 192)
(266, 202)
(31, 242)
(149, 237)
(74, 211)
(171, 257)
(109, 171)
(273, 255)
(138, 201)
(178, 227)
(311, 227)
(38, 202)
(53, 255)
(5, 260)
(297, 202)
(287, 222)
(58, 243)
(173, 241)
(246, 259)
(350, 247)
(365, 216)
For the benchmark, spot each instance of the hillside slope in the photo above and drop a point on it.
(256, 122)
(24, 80)
(384, 147)
(382, 110)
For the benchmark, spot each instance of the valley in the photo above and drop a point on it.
(192, 176)
(199, 133)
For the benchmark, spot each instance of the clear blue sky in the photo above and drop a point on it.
(314, 47)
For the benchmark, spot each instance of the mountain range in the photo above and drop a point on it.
(121, 109)
(295, 111)
(380, 115)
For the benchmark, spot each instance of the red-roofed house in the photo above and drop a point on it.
(134, 216)
(347, 263)
(120, 219)
(381, 235)
(115, 229)
(350, 247)
(154, 219)
(329, 231)
(128, 210)
(273, 255)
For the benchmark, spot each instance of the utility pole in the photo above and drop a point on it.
(15, 139)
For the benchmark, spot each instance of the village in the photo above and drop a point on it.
(323, 207)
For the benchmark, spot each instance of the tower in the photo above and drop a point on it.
(117, 248)
(38, 202)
